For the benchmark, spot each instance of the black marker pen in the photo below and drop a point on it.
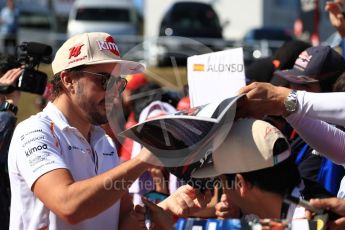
(305, 204)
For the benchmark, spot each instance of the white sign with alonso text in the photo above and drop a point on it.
(215, 76)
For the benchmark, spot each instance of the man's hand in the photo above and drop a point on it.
(336, 17)
(160, 219)
(262, 99)
(225, 209)
(334, 204)
(134, 220)
(10, 78)
(161, 185)
(185, 201)
(146, 156)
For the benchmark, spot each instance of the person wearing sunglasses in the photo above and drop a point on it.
(64, 171)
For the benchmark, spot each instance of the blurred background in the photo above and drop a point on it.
(162, 34)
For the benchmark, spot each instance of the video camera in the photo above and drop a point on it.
(30, 55)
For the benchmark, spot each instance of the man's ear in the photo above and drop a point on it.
(67, 81)
(243, 186)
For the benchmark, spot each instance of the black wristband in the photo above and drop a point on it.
(6, 89)
(6, 106)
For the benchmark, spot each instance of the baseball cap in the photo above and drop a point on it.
(90, 49)
(287, 54)
(261, 70)
(314, 64)
(249, 146)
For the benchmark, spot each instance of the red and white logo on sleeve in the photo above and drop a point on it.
(109, 44)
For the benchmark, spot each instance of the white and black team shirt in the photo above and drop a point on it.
(46, 142)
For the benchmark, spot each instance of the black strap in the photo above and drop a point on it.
(6, 89)
(7, 106)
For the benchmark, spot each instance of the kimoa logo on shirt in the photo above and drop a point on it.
(35, 149)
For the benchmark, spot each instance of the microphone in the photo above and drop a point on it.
(37, 49)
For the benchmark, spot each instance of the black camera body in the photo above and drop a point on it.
(30, 55)
(32, 81)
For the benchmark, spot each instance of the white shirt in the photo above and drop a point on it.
(46, 142)
(328, 107)
(310, 121)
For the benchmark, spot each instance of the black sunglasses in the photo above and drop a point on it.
(107, 78)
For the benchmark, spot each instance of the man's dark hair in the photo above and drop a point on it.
(279, 179)
(57, 84)
(339, 85)
(328, 83)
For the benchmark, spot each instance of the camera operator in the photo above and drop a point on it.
(8, 109)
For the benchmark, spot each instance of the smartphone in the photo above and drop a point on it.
(155, 196)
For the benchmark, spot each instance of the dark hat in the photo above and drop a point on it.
(278, 81)
(314, 64)
(287, 54)
(260, 70)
